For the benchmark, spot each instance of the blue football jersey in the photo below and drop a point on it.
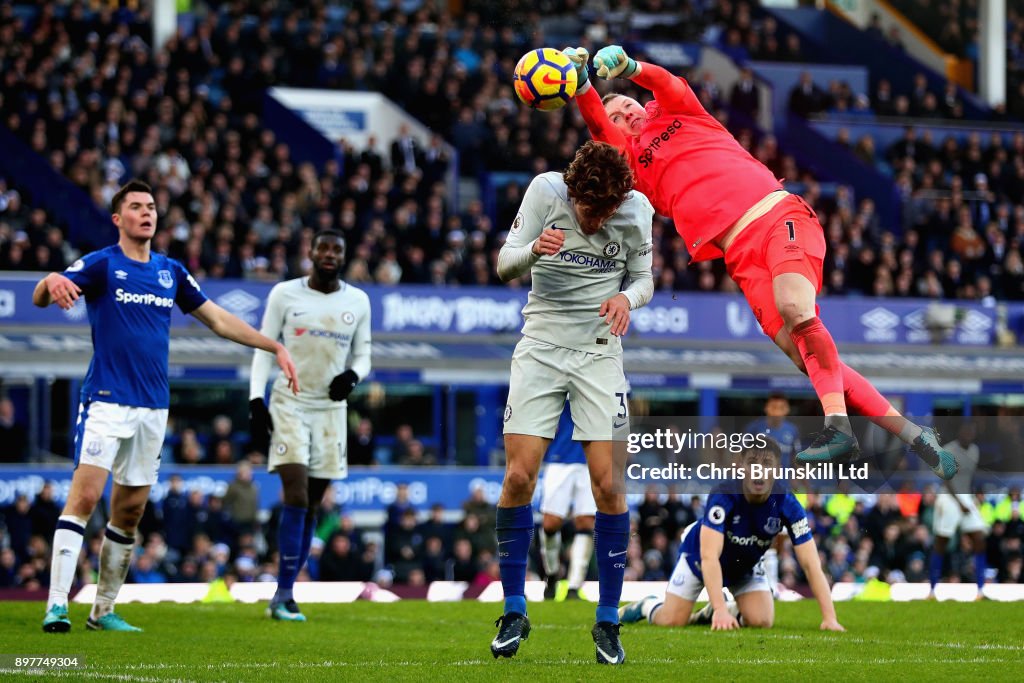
(787, 435)
(749, 530)
(562, 448)
(129, 305)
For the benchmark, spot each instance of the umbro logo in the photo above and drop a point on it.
(120, 275)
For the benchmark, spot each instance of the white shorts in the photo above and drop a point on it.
(543, 375)
(685, 584)
(567, 486)
(314, 438)
(949, 517)
(124, 440)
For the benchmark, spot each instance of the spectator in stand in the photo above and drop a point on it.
(806, 98)
(242, 500)
(362, 444)
(745, 97)
(13, 436)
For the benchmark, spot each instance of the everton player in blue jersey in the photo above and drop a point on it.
(787, 435)
(725, 550)
(129, 293)
(566, 486)
(775, 425)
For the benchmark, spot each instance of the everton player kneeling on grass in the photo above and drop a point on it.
(579, 236)
(726, 548)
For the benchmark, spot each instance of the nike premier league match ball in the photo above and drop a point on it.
(545, 79)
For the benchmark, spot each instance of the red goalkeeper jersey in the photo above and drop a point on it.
(685, 161)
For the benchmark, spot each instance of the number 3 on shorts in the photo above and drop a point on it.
(622, 404)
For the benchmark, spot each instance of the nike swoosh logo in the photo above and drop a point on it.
(619, 425)
(508, 642)
(503, 542)
(298, 313)
(546, 79)
(611, 554)
(610, 660)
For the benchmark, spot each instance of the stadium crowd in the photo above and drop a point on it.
(83, 90)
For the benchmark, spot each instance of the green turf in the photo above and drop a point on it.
(418, 641)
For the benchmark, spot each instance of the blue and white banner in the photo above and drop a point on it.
(413, 309)
(364, 490)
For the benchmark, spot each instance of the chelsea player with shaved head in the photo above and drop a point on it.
(129, 293)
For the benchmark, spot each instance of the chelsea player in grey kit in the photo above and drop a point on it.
(129, 292)
(326, 324)
(579, 236)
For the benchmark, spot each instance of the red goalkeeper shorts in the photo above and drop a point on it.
(787, 239)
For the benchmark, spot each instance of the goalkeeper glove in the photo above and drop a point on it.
(579, 58)
(260, 425)
(613, 62)
(342, 385)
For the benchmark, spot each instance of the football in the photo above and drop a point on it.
(545, 79)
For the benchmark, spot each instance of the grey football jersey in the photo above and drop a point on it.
(569, 287)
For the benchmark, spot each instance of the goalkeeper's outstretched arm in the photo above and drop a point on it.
(671, 92)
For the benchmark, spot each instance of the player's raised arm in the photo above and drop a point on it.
(85, 275)
(600, 126)
(528, 239)
(671, 92)
(807, 556)
(230, 327)
(55, 288)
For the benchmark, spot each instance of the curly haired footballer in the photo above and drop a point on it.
(599, 178)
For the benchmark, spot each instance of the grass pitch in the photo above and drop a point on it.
(419, 641)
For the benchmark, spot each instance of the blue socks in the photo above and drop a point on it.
(611, 539)
(980, 567)
(290, 539)
(307, 538)
(935, 569)
(514, 527)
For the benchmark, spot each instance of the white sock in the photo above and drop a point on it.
(67, 546)
(648, 608)
(579, 558)
(909, 432)
(115, 558)
(771, 569)
(551, 548)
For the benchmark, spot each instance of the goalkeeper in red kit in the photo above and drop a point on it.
(727, 204)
